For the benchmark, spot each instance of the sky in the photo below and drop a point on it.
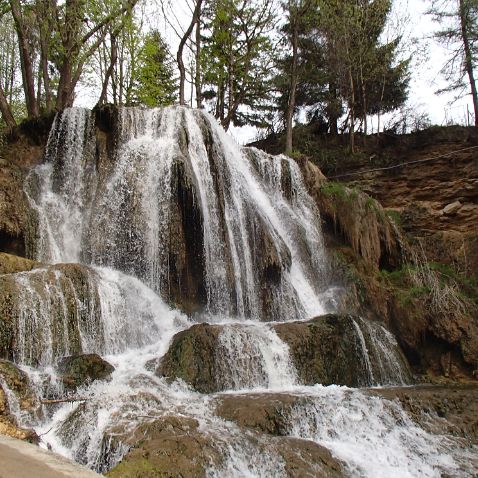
(426, 79)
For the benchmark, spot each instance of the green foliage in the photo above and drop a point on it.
(344, 63)
(154, 82)
(339, 191)
(236, 60)
(394, 216)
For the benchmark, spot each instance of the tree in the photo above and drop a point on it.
(237, 60)
(155, 84)
(301, 16)
(9, 67)
(363, 71)
(182, 70)
(61, 37)
(459, 19)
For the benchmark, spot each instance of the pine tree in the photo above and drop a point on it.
(155, 84)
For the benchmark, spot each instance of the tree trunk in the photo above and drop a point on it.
(352, 111)
(364, 99)
(6, 111)
(292, 90)
(464, 22)
(64, 97)
(109, 71)
(179, 56)
(45, 31)
(332, 113)
(25, 60)
(198, 65)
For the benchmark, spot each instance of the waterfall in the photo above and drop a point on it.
(250, 213)
(336, 417)
(381, 355)
(149, 223)
(253, 356)
(70, 309)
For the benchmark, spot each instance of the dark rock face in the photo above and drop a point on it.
(78, 370)
(13, 209)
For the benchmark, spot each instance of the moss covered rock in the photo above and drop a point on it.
(192, 357)
(78, 370)
(10, 264)
(171, 446)
(325, 350)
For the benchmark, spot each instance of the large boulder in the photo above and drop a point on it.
(170, 446)
(78, 370)
(192, 357)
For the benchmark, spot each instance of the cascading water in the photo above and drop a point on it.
(160, 206)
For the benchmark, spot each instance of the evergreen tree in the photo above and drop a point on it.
(237, 60)
(155, 84)
(341, 63)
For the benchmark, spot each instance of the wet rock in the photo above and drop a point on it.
(17, 382)
(326, 350)
(268, 413)
(78, 370)
(447, 408)
(16, 397)
(192, 358)
(41, 313)
(10, 264)
(171, 446)
(304, 458)
(13, 210)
